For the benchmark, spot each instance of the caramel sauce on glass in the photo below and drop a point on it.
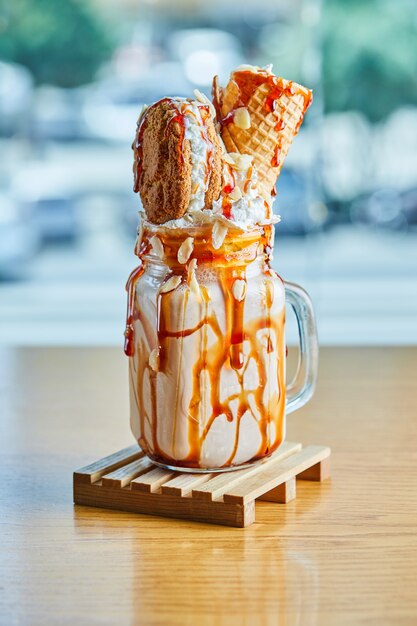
(235, 342)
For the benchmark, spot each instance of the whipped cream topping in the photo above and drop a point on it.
(246, 208)
(201, 148)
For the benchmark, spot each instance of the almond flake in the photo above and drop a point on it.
(201, 97)
(157, 246)
(239, 289)
(185, 250)
(228, 159)
(171, 284)
(154, 360)
(241, 118)
(192, 278)
(240, 161)
(244, 162)
(235, 194)
(218, 234)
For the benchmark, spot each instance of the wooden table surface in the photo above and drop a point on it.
(343, 552)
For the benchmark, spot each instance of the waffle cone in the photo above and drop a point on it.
(271, 131)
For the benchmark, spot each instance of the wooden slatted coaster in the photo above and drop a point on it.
(129, 481)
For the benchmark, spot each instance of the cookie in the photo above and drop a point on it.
(177, 159)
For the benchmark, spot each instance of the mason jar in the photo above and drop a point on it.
(205, 337)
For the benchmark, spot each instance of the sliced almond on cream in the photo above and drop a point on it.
(244, 161)
(239, 289)
(201, 97)
(235, 194)
(171, 284)
(154, 360)
(157, 246)
(228, 158)
(219, 233)
(185, 250)
(240, 161)
(241, 118)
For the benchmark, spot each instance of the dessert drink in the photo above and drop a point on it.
(206, 312)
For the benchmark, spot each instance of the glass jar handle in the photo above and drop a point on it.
(301, 388)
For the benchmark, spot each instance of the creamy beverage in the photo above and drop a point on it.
(206, 312)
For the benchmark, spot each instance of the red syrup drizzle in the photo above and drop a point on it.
(227, 208)
(225, 121)
(248, 82)
(276, 156)
(275, 94)
(230, 183)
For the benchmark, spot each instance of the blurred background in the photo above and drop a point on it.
(73, 77)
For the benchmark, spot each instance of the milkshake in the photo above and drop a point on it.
(205, 330)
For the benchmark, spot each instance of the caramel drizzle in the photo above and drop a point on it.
(226, 352)
(248, 82)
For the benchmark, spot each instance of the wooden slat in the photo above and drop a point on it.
(318, 472)
(220, 483)
(152, 481)
(282, 494)
(182, 484)
(124, 475)
(269, 476)
(168, 506)
(157, 491)
(93, 472)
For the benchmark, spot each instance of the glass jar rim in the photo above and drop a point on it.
(204, 244)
